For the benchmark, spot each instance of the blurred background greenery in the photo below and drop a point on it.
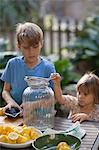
(71, 31)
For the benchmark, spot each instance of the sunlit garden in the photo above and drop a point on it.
(49, 74)
(71, 42)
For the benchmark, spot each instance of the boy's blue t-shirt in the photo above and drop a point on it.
(16, 70)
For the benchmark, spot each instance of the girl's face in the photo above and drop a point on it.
(30, 54)
(85, 98)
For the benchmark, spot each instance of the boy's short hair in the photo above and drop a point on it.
(89, 83)
(29, 33)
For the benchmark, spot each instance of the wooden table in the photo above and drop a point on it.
(91, 139)
(89, 142)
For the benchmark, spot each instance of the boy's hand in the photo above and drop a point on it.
(79, 117)
(12, 104)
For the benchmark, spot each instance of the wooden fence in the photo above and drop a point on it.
(55, 38)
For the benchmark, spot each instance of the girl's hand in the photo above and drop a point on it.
(56, 78)
(79, 117)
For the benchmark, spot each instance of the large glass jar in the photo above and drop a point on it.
(38, 103)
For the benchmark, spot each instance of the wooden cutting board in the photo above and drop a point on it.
(15, 121)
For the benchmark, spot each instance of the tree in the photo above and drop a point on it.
(15, 11)
(86, 46)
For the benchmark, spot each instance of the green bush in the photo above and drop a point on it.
(65, 69)
(86, 45)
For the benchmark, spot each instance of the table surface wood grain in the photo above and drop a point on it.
(89, 142)
(91, 139)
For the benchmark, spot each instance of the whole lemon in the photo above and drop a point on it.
(1, 112)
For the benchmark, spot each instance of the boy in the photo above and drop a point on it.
(29, 41)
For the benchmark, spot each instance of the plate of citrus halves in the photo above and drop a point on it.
(18, 136)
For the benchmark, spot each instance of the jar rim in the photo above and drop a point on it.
(35, 81)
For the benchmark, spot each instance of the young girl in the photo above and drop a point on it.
(30, 41)
(83, 107)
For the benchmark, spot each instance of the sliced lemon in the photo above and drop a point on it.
(7, 129)
(63, 146)
(34, 135)
(27, 136)
(13, 136)
(1, 129)
(26, 130)
(21, 139)
(18, 129)
(3, 138)
(11, 141)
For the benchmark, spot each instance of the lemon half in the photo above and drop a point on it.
(63, 146)
(13, 136)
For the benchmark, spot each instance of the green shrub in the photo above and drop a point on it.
(86, 45)
(65, 69)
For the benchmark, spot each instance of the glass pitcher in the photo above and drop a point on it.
(38, 103)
